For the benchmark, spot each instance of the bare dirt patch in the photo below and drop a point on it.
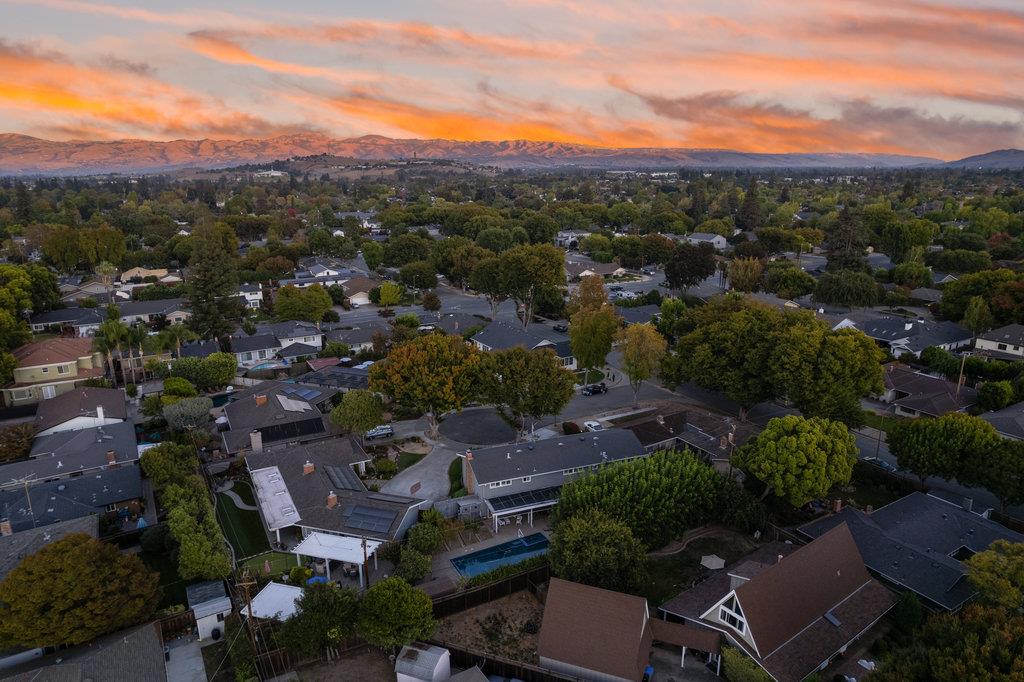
(506, 627)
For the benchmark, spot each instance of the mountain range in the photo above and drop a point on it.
(25, 155)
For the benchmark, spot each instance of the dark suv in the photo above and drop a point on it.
(595, 389)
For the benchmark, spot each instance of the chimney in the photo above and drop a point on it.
(837, 505)
(111, 457)
(968, 504)
(99, 412)
(467, 473)
(869, 508)
(332, 500)
(308, 468)
(261, 399)
(908, 326)
(5, 528)
(778, 559)
(256, 440)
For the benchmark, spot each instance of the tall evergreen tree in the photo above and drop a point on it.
(213, 286)
(749, 216)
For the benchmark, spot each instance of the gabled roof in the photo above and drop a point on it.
(298, 350)
(247, 344)
(934, 396)
(70, 316)
(68, 452)
(360, 285)
(198, 349)
(786, 597)
(600, 630)
(288, 329)
(1012, 334)
(704, 237)
(637, 314)
(502, 335)
(70, 498)
(80, 402)
(502, 462)
(915, 335)
(158, 307)
(279, 410)
(1008, 421)
(52, 351)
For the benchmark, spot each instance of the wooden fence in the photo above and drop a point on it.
(175, 625)
(460, 601)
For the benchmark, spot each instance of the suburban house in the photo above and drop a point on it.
(918, 543)
(659, 432)
(943, 278)
(716, 240)
(1005, 343)
(73, 453)
(519, 479)
(294, 331)
(1009, 421)
(254, 350)
(295, 352)
(277, 412)
(361, 337)
(16, 546)
(502, 335)
(173, 310)
(48, 368)
(357, 290)
(570, 239)
(791, 610)
(323, 275)
(111, 493)
(82, 321)
(81, 408)
(126, 656)
(713, 437)
(272, 340)
(312, 499)
(596, 634)
(337, 377)
(925, 295)
(252, 294)
(901, 335)
(578, 267)
(452, 323)
(210, 604)
(915, 394)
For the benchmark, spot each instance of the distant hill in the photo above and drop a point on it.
(24, 155)
(1003, 159)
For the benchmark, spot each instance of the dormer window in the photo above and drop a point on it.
(731, 614)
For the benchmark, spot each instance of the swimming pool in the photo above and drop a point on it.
(511, 552)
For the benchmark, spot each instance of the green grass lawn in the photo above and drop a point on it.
(241, 527)
(407, 459)
(593, 377)
(280, 562)
(669, 575)
(878, 421)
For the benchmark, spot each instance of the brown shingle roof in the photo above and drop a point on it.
(786, 597)
(688, 636)
(601, 630)
(52, 351)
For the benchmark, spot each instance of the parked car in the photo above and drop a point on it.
(881, 464)
(649, 271)
(562, 328)
(595, 389)
(616, 287)
(593, 426)
(379, 432)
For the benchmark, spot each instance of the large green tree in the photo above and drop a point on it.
(595, 549)
(952, 446)
(72, 591)
(325, 615)
(213, 285)
(432, 373)
(526, 271)
(998, 574)
(690, 265)
(525, 383)
(392, 614)
(591, 333)
(359, 411)
(800, 459)
(847, 288)
(642, 351)
(309, 303)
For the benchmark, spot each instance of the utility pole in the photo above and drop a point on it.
(245, 583)
(960, 379)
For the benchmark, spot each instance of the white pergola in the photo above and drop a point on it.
(275, 601)
(343, 548)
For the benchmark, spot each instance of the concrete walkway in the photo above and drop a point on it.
(235, 498)
(186, 661)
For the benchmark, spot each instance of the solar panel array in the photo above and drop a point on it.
(527, 499)
(344, 478)
(304, 392)
(369, 518)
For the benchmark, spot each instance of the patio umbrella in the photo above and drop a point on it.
(712, 561)
(266, 567)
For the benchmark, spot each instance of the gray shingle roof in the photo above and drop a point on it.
(1008, 421)
(70, 498)
(638, 314)
(911, 540)
(14, 548)
(359, 335)
(894, 329)
(309, 407)
(502, 335)
(69, 316)
(502, 462)
(1012, 334)
(247, 344)
(159, 307)
(199, 349)
(288, 329)
(298, 350)
(80, 402)
(337, 377)
(67, 452)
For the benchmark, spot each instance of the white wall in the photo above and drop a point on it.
(77, 424)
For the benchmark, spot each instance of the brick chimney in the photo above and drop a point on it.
(5, 528)
(111, 457)
(256, 440)
(332, 500)
(261, 399)
(837, 505)
(467, 472)
(308, 468)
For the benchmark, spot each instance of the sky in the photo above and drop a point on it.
(939, 78)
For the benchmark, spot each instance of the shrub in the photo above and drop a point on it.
(571, 428)
(385, 468)
(413, 566)
(506, 571)
(131, 390)
(299, 575)
(424, 537)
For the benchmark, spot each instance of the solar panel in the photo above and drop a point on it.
(344, 478)
(525, 499)
(370, 518)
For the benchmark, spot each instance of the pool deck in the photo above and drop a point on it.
(441, 565)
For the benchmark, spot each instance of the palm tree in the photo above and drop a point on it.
(134, 336)
(114, 333)
(173, 335)
(107, 348)
(106, 271)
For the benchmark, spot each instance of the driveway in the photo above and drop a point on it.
(477, 426)
(186, 661)
(430, 474)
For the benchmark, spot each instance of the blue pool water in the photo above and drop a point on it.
(511, 552)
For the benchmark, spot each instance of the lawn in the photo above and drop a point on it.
(879, 421)
(455, 488)
(280, 562)
(593, 377)
(407, 459)
(242, 527)
(867, 488)
(669, 575)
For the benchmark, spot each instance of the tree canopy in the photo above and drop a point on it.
(392, 614)
(595, 549)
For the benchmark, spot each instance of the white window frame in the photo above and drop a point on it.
(45, 370)
(501, 484)
(63, 369)
(527, 479)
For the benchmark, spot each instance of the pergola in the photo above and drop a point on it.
(342, 548)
